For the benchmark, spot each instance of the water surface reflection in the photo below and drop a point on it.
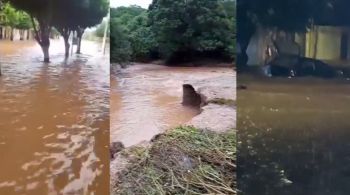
(54, 120)
(293, 136)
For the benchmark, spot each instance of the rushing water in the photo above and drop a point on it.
(293, 136)
(54, 120)
(146, 100)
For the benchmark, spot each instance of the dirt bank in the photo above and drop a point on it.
(217, 97)
(158, 165)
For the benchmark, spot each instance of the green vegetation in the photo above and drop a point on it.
(131, 37)
(182, 161)
(64, 15)
(13, 19)
(180, 31)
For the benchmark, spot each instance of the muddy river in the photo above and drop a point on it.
(54, 120)
(146, 99)
(293, 136)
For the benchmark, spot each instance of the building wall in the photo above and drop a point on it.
(320, 42)
(327, 40)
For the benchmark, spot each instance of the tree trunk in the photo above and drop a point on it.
(243, 40)
(45, 49)
(66, 46)
(80, 33)
(0, 32)
(65, 32)
(42, 36)
(28, 34)
(11, 35)
(21, 34)
(45, 45)
(79, 45)
(242, 58)
(5, 33)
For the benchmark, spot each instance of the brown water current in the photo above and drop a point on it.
(146, 99)
(54, 120)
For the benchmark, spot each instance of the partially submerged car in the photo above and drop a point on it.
(296, 66)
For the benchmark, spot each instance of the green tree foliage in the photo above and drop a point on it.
(14, 19)
(23, 21)
(120, 46)
(141, 37)
(189, 27)
(90, 15)
(77, 16)
(43, 11)
(64, 15)
(177, 30)
(10, 16)
(131, 35)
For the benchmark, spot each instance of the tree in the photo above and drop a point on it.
(141, 37)
(65, 15)
(23, 23)
(131, 35)
(186, 28)
(11, 18)
(274, 14)
(120, 46)
(14, 19)
(78, 15)
(43, 11)
(91, 14)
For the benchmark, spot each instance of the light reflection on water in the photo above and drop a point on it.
(54, 120)
(293, 136)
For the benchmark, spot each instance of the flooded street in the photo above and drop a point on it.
(293, 136)
(54, 120)
(146, 100)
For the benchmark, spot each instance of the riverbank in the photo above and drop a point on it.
(181, 159)
(184, 160)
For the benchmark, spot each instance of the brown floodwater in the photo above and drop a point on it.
(54, 120)
(293, 136)
(146, 100)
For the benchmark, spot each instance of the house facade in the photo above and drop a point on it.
(327, 43)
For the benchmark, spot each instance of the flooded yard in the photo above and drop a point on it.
(293, 136)
(54, 120)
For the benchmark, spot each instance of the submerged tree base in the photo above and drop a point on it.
(184, 160)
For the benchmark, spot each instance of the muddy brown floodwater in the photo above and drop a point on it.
(293, 136)
(146, 99)
(54, 120)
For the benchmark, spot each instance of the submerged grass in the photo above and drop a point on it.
(184, 160)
